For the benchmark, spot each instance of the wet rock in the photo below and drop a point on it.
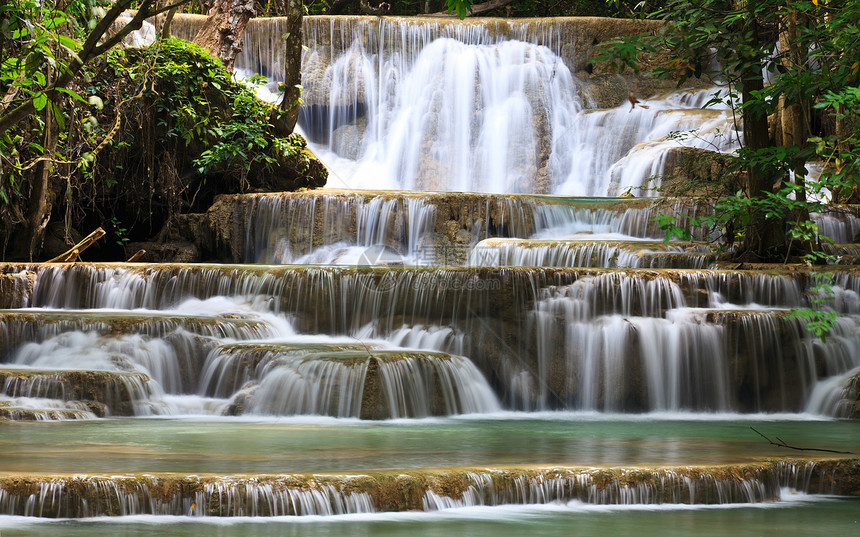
(16, 289)
(605, 91)
(695, 172)
(164, 252)
(102, 392)
(849, 406)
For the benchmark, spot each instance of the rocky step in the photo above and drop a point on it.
(19, 326)
(585, 252)
(30, 410)
(370, 384)
(394, 491)
(101, 392)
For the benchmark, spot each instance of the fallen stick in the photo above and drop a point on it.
(781, 443)
(74, 252)
(137, 255)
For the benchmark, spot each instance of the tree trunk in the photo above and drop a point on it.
(222, 31)
(41, 197)
(764, 238)
(794, 116)
(292, 69)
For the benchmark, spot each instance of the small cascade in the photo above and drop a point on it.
(39, 325)
(93, 392)
(841, 225)
(606, 254)
(437, 384)
(338, 229)
(35, 409)
(83, 496)
(303, 495)
(357, 382)
(621, 219)
(231, 366)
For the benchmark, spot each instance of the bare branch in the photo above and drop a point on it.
(74, 252)
(781, 443)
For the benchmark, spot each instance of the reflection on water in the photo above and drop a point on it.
(315, 444)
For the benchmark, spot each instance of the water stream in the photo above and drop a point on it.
(443, 329)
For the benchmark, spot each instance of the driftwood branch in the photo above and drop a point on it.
(137, 255)
(781, 443)
(75, 251)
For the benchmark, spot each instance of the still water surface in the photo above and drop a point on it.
(326, 445)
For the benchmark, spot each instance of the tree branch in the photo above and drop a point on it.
(781, 443)
(91, 49)
(73, 253)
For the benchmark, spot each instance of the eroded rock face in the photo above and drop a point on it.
(605, 91)
(16, 288)
(694, 172)
(850, 403)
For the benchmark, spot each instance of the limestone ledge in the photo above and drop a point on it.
(404, 490)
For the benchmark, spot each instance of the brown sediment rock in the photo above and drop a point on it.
(695, 172)
(16, 288)
(850, 403)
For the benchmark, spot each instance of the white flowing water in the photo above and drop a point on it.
(308, 356)
(437, 341)
(418, 105)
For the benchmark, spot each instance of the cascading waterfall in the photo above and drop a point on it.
(459, 306)
(338, 230)
(649, 350)
(483, 107)
(535, 253)
(596, 339)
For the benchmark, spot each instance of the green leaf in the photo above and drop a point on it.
(72, 93)
(59, 117)
(40, 100)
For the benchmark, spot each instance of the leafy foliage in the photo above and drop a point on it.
(783, 63)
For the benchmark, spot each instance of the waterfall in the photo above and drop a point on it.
(302, 495)
(482, 106)
(339, 229)
(548, 337)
